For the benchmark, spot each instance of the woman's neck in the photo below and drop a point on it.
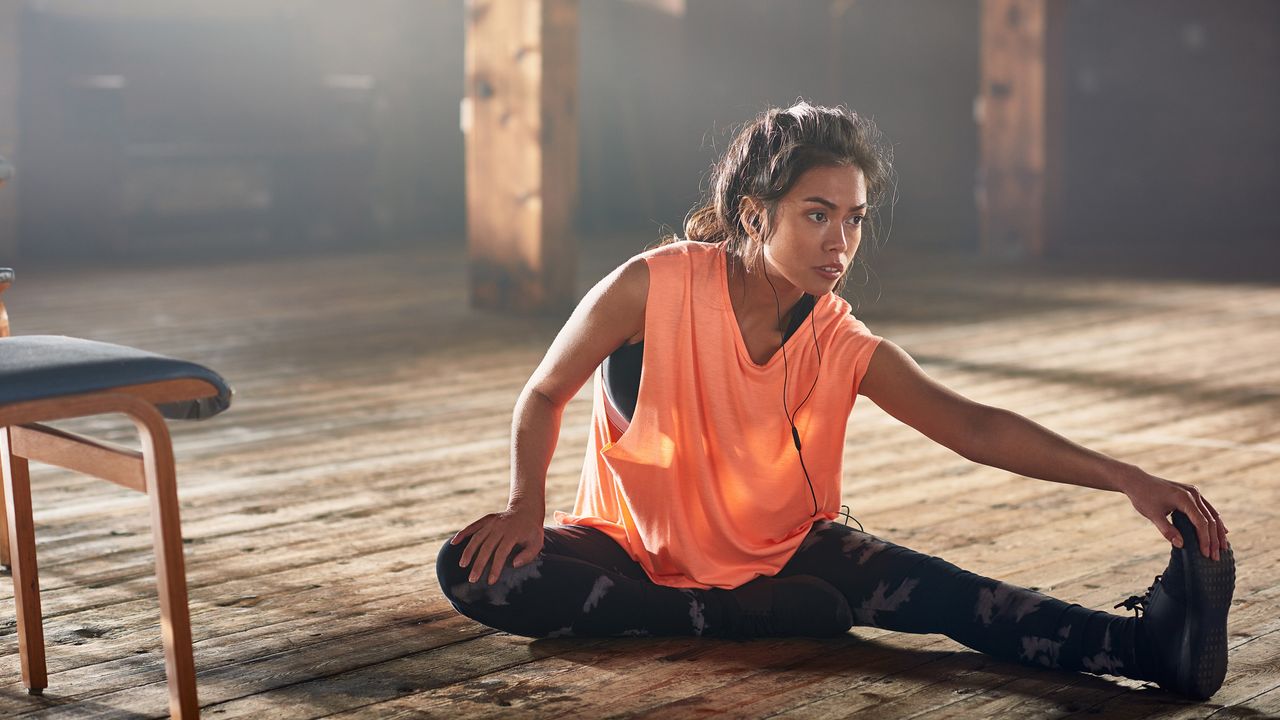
(755, 300)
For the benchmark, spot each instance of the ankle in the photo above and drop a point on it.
(1146, 663)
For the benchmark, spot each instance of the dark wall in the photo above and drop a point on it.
(661, 95)
(1172, 143)
(253, 128)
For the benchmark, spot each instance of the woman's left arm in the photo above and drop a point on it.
(1004, 439)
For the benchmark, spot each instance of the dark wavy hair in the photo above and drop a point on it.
(766, 158)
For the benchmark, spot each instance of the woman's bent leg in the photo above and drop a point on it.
(582, 583)
(891, 587)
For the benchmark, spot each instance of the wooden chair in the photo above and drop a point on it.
(47, 378)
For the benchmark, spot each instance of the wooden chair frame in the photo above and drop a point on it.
(150, 471)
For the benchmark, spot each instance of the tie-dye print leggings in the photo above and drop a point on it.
(584, 584)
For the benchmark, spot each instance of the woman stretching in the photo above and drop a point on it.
(726, 367)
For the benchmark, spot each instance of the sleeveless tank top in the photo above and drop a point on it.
(704, 487)
(620, 372)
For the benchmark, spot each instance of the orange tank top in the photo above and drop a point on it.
(704, 488)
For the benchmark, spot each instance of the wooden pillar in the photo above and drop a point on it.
(1020, 113)
(10, 11)
(519, 115)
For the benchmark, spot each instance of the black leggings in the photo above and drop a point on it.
(584, 584)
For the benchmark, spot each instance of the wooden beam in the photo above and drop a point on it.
(519, 116)
(1019, 115)
(10, 12)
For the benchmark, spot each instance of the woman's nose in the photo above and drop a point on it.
(840, 240)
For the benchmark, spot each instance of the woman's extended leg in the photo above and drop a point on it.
(889, 586)
(583, 583)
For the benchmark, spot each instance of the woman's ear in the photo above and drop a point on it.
(749, 214)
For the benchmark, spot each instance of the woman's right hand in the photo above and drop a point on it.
(495, 535)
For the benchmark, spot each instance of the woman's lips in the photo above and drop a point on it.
(830, 272)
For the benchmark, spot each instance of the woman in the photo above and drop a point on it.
(727, 371)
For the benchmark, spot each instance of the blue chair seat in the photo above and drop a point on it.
(41, 367)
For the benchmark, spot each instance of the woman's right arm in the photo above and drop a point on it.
(611, 314)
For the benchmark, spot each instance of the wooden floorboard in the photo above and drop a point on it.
(372, 420)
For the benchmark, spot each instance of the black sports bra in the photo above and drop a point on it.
(622, 367)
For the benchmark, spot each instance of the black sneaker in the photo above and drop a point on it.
(1185, 623)
(799, 605)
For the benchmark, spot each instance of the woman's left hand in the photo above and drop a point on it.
(1155, 498)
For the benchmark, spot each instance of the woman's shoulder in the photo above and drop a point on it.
(631, 280)
(664, 265)
(633, 277)
(635, 274)
(844, 320)
(676, 261)
(682, 248)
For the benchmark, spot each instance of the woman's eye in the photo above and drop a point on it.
(818, 216)
(857, 219)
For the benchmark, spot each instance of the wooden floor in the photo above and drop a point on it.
(372, 419)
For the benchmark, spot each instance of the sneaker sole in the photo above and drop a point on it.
(1209, 587)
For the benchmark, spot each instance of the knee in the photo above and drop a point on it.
(448, 572)
(455, 581)
(488, 604)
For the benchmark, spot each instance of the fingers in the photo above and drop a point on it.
(468, 530)
(529, 551)
(525, 556)
(1215, 533)
(1222, 527)
(493, 539)
(479, 548)
(1206, 528)
(1158, 497)
(1193, 513)
(483, 555)
(469, 551)
(471, 547)
(1167, 529)
(500, 559)
(1207, 533)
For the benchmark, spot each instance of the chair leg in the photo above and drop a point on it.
(171, 577)
(5, 560)
(26, 582)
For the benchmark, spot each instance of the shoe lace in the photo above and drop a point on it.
(1138, 603)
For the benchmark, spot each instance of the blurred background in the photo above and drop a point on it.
(244, 128)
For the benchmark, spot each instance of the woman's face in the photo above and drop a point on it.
(817, 228)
